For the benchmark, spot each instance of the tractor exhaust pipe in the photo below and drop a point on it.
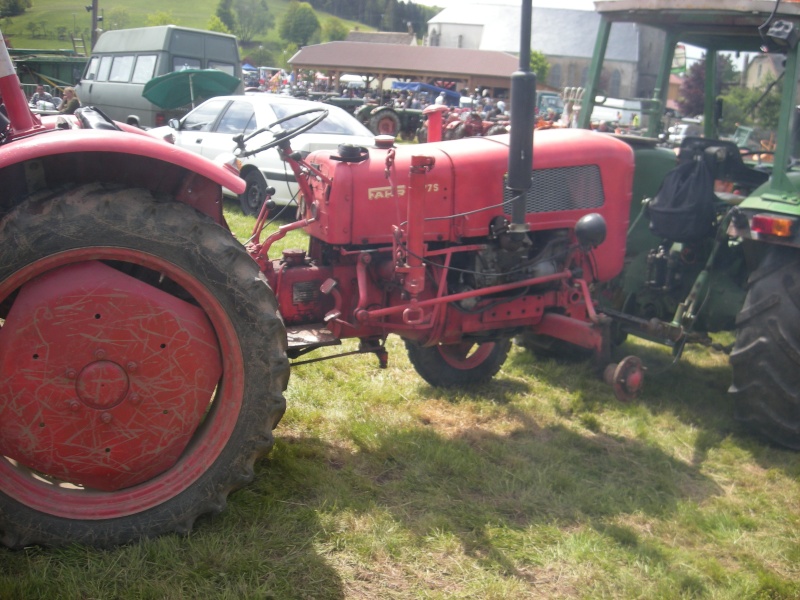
(523, 120)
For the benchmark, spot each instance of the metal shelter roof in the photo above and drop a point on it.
(419, 63)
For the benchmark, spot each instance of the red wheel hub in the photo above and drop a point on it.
(103, 378)
(458, 355)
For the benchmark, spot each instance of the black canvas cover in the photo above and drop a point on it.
(683, 209)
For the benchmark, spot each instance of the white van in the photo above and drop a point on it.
(123, 60)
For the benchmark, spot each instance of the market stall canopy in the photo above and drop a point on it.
(180, 88)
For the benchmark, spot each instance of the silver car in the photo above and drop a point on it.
(210, 128)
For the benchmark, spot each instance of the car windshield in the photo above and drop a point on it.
(338, 121)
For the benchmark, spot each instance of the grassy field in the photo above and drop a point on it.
(537, 485)
(49, 15)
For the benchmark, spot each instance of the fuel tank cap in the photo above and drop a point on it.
(384, 142)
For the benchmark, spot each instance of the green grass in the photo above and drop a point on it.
(537, 485)
(74, 17)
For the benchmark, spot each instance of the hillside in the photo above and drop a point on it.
(48, 24)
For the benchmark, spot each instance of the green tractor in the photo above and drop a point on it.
(714, 235)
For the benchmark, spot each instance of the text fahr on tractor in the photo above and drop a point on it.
(714, 237)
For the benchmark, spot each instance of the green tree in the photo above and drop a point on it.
(161, 17)
(693, 89)
(13, 8)
(539, 65)
(261, 56)
(288, 52)
(216, 24)
(334, 30)
(225, 14)
(252, 17)
(117, 18)
(300, 23)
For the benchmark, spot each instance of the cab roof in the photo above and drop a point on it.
(711, 24)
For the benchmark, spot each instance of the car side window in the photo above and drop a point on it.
(239, 118)
(203, 117)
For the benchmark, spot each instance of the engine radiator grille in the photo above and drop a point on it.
(562, 188)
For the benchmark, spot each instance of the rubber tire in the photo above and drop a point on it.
(422, 135)
(136, 222)
(497, 130)
(766, 356)
(435, 368)
(253, 197)
(384, 122)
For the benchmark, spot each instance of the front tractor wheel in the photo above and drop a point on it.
(458, 365)
(385, 122)
(254, 194)
(142, 368)
(766, 357)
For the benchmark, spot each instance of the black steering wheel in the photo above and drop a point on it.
(281, 135)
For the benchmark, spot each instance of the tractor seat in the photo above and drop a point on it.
(724, 159)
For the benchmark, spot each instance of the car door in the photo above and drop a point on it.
(237, 118)
(198, 125)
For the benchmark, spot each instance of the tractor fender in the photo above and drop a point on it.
(134, 159)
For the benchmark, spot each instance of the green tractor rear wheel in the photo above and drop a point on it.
(766, 357)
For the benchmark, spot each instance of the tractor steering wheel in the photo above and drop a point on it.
(281, 135)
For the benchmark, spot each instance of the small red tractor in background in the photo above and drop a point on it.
(144, 352)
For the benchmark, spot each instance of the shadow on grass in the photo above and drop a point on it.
(475, 487)
(694, 390)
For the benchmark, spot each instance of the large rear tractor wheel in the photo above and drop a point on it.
(458, 365)
(766, 356)
(142, 368)
(385, 122)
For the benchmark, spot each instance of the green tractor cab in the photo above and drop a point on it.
(714, 238)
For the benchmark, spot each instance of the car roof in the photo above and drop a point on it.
(267, 98)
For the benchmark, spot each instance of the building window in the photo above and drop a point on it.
(555, 76)
(616, 82)
(572, 75)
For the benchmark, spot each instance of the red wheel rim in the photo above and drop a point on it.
(386, 126)
(61, 499)
(466, 356)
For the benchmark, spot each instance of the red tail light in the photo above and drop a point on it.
(776, 225)
(161, 119)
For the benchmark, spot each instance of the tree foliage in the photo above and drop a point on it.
(300, 23)
(225, 14)
(13, 8)
(386, 15)
(216, 24)
(539, 65)
(692, 92)
(252, 18)
(334, 30)
(161, 17)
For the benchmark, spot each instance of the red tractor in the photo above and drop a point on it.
(144, 352)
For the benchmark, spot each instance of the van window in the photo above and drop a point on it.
(144, 69)
(224, 67)
(105, 67)
(121, 68)
(179, 63)
(91, 68)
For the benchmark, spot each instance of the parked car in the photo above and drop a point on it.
(209, 130)
(678, 133)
